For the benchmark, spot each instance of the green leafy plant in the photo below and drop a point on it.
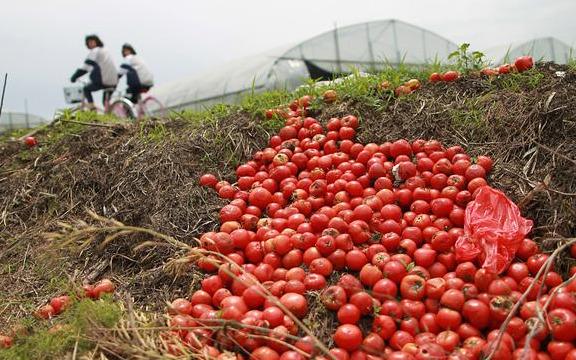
(467, 61)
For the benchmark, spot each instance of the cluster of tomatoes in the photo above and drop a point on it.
(59, 304)
(447, 76)
(521, 64)
(371, 228)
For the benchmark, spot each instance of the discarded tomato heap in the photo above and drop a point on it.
(373, 228)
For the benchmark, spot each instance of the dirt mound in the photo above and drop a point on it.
(146, 175)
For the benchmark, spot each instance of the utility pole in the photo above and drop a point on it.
(3, 91)
(26, 112)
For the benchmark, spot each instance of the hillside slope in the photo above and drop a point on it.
(146, 175)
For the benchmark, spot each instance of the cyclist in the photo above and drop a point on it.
(102, 71)
(138, 77)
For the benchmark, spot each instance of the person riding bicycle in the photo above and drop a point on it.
(138, 77)
(102, 71)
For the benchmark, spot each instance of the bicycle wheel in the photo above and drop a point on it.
(152, 107)
(122, 109)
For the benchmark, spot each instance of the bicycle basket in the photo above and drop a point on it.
(73, 94)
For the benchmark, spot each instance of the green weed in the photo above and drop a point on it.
(73, 326)
(466, 61)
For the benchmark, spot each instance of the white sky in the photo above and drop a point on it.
(42, 42)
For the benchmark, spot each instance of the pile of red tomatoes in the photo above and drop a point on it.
(371, 228)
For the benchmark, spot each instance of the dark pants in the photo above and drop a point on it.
(88, 89)
(133, 92)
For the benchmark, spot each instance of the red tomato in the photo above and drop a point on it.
(448, 319)
(412, 287)
(348, 337)
(448, 340)
(562, 324)
(524, 63)
(349, 314)
(61, 303)
(477, 313)
(264, 353)
(334, 297)
(435, 77)
(450, 76)
(208, 180)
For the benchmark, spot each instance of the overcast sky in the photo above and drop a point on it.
(41, 41)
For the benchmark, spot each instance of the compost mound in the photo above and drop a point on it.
(147, 175)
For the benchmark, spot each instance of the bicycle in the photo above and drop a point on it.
(146, 106)
(115, 103)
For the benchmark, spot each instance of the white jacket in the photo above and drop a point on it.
(101, 67)
(136, 71)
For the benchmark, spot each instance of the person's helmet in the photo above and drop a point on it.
(129, 48)
(94, 37)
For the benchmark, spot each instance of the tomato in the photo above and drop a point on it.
(178, 306)
(435, 288)
(453, 299)
(502, 352)
(370, 275)
(412, 287)
(527, 248)
(565, 300)
(500, 307)
(450, 76)
(518, 271)
(61, 303)
(448, 319)
(30, 141)
(430, 351)
(264, 353)
(477, 313)
(424, 257)
(295, 303)
(384, 326)
(321, 266)
(104, 286)
(524, 63)
(562, 324)
(334, 297)
(516, 328)
(348, 337)
(314, 282)
(384, 289)
(559, 350)
(535, 262)
(348, 314)
(45, 312)
(6, 342)
(208, 180)
(448, 340)
(399, 339)
(483, 278)
(356, 260)
(394, 270)
(428, 323)
(435, 77)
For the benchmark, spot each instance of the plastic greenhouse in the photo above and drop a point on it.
(15, 120)
(542, 49)
(366, 46)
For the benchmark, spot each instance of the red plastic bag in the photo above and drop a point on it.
(493, 230)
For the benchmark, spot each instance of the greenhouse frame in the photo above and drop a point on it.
(16, 120)
(541, 49)
(366, 46)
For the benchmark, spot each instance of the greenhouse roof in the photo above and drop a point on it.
(365, 46)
